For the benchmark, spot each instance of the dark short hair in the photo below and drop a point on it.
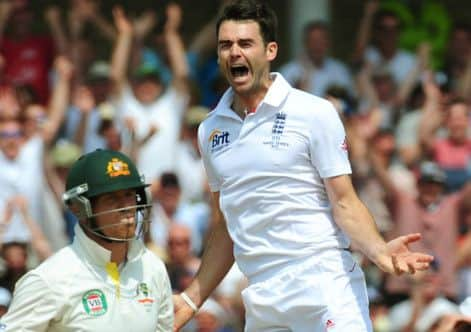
(382, 14)
(244, 10)
(169, 180)
(315, 25)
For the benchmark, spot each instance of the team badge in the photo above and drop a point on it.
(94, 303)
(277, 129)
(117, 167)
(144, 295)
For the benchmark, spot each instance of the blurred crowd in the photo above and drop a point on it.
(408, 136)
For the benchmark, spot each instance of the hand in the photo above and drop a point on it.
(183, 313)
(6, 7)
(423, 55)
(174, 16)
(64, 67)
(121, 21)
(85, 9)
(21, 203)
(371, 7)
(144, 24)
(52, 15)
(83, 99)
(402, 259)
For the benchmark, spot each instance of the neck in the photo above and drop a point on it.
(118, 250)
(246, 102)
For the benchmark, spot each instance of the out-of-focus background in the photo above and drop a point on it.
(139, 76)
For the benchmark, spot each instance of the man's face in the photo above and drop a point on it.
(243, 57)
(460, 45)
(317, 44)
(179, 245)
(35, 116)
(119, 224)
(147, 91)
(457, 122)
(388, 33)
(429, 192)
(11, 139)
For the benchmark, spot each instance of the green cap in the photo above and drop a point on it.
(103, 171)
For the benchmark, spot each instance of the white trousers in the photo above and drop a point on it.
(327, 293)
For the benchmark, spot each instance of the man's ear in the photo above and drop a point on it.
(271, 51)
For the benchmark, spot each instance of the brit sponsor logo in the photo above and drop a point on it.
(218, 139)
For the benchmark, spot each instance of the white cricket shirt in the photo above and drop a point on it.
(268, 169)
(73, 292)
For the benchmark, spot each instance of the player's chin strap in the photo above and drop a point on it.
(141, 218)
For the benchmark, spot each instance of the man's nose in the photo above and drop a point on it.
(235, 50)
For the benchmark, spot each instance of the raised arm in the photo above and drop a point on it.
(464, 87)
(175, 48)
(52, 16)
(432, 117)
(6, 8)
(216, 262)
(364, 31)
(406, 87)
(122, 50)
(59, 99)
(354, 219)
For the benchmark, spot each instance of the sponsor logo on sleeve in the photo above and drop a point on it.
(218, 139)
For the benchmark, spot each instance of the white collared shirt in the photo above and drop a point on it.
(72, 291)
(269, 170)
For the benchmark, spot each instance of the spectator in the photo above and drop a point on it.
(424, 309)
(315, 71)
(182, 264)
(157, 109)
(385, 51)
(28, 57)
(189, 165)
(433, 215)
(168, 208)
(5, 299)
(453, 151)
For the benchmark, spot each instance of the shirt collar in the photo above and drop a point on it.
(99, 255)
(276, 94)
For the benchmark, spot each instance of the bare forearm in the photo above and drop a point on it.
(354, 219)
(178, 63)
(216, 262)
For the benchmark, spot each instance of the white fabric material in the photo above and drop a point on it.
(399, 66)
(269, 170)
(326, 293)
(51, 297)
(332, 72)
(190, 171)
(157, 155)
(400, 314)
(23, 176)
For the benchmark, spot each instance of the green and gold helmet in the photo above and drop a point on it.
(100, 172)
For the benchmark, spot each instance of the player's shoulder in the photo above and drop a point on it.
(58, 266)
(152, 260)
(309, 104)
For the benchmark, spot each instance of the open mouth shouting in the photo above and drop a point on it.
(239, 73)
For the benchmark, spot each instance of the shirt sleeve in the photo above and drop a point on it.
(33, 307)
(166, 315)
(213, 182)
(329, 143)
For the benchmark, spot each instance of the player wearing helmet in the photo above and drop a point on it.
(106, 280)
